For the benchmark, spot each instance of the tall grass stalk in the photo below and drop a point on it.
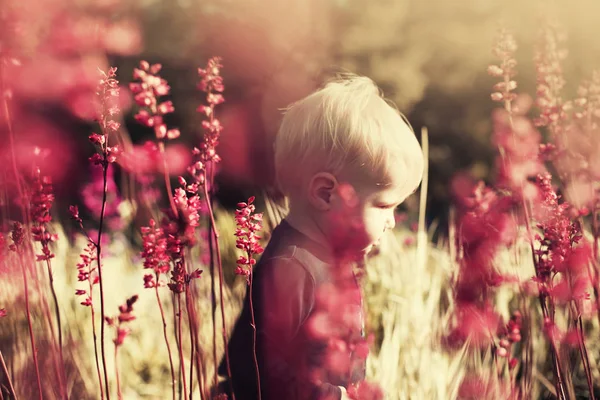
(166, 336)
(215, 234)
(21, 192)
(11, 388)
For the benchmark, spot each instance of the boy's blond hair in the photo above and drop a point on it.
(346, 126)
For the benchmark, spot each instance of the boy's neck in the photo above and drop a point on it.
(305, 223)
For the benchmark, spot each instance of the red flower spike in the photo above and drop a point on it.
(147, 93)
(17, 236)
(248, 225)
(125, 316)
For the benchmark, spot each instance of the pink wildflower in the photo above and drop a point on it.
(485, 225)
(87, 273)
(155, 253)
(108, 93)
(559, 234)
(550, 79)
(509, 335)
(92, 196)
(125, 316)
(504, 50)
(17, 236)
(212, 84)
(248, 225)
(147, 90)
(41, 202)
(476, 323)
(514, 135)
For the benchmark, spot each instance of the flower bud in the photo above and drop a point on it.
(501, 352)
(497, 96)
(495, 71)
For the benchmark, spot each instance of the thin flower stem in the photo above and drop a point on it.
(31, 335)
(559, 385)
(560, 390)
(583, 352)
(48, 315)
(11, 388)
(177, 342)
(118, 380)
(11, 139)
(96, 347)
(199, 359)
(164, 322)
(213, 229)
(213, 313)
(161, 147)
(595, 262)
(192, 341)
(527, 351)
(98, 259)
(11, 136)
(59, 329)
(253, 324)
(181, 359)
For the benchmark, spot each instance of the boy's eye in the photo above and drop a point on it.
(386, 206)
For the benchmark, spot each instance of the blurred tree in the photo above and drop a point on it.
(430, 57)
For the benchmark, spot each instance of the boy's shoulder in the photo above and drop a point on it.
(290, 249)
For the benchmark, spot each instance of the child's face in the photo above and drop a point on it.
(362, 213)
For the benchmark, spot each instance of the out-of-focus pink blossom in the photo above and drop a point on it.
(206, 154)
(147, 89)
(504, 50)
(42, 197)
(125, 316)
(550, 79)
(141, 159)
(92, 195)
(478, 324)
(474, 387)
(365, 390)
(17, 236)
(559, 234)
(337, 321)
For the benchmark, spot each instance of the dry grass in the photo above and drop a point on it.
(408, 298)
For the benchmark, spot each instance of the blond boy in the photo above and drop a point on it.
(345, 158)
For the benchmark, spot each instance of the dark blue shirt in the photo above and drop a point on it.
(286, 281)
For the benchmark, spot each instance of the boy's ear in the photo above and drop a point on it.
(321, 189)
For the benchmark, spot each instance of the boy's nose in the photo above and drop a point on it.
(391, 221)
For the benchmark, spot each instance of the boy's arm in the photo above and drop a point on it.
(288, 296)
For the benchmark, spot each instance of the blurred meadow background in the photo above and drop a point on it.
(488, 287)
